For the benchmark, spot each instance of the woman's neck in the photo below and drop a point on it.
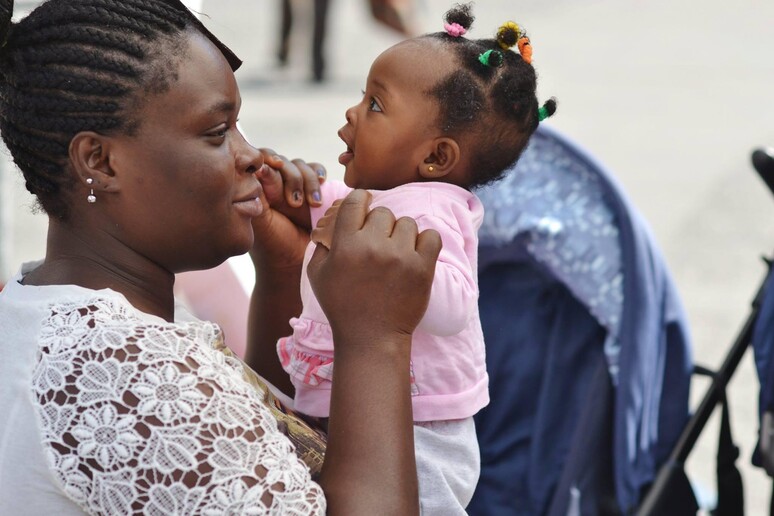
(95, 260)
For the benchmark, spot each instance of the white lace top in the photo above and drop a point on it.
(108, 410)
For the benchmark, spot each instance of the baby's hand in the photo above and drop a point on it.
(323, 233)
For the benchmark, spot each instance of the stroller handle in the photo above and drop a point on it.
(763, 162)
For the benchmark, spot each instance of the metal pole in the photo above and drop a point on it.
(651, 505)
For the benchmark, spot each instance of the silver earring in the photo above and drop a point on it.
(91, 197)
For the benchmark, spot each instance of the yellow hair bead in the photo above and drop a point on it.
(507, 29)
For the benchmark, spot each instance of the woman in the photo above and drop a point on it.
(122, 116)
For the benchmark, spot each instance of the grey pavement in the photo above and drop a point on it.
(672, 96)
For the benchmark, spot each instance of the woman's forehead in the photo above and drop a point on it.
(204, 84)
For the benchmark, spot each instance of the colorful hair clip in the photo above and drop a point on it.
(493, 58)
(454, 30)
(547, 109)
(508, 34)
(525, 49)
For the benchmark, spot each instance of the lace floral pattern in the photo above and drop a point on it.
(155, 419)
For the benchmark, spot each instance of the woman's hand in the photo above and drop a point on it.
(376, 274)
(277, 254)
(373, 282)
(291, 186)
(323, 232)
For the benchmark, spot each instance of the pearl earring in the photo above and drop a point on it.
(91, 198)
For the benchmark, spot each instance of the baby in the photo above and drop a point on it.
(440, 114)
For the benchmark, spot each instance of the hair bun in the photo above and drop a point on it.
(547, 109)
(508, 34)
(460, 14)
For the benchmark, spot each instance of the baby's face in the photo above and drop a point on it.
(389, 134)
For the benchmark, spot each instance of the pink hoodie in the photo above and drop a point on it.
(448, 370)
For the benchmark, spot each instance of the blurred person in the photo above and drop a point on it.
(318, 36)
(397, 15)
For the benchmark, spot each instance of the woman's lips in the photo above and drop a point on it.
(250, 204)
(250, 207)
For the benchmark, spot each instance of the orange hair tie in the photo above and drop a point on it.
(525, 49)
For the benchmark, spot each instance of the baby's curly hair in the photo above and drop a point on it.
(490, 99)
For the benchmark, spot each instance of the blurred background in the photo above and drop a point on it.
(671, 95)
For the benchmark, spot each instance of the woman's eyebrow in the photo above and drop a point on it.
(225, 106)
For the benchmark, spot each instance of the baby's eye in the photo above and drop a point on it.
(373, 106)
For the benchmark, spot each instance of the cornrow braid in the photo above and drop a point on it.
(490, 99)
(69, 55)
(48, 36)
(72, 66)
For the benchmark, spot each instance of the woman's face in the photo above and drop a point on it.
(187, 186)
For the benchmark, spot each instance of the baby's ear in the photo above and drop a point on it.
(444, 157)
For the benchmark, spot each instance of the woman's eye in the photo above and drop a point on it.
(373, 106)
(219, 132)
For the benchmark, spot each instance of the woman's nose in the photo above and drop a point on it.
(249, 159)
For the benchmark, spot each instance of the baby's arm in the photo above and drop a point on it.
(454, 296)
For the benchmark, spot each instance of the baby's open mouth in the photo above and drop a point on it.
(346, 156)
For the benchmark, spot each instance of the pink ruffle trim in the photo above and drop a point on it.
(304, 367)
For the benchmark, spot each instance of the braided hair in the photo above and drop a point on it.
(85, 65)
(490, 98)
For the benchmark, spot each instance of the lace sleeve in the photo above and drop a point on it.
(153, 419)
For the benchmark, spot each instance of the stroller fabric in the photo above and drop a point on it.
(587, 343)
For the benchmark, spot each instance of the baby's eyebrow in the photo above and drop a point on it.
(378, 84)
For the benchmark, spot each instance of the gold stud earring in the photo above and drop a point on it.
(430, 168)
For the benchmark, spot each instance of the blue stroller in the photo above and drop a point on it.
(587, 343)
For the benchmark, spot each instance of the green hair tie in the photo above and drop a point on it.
(493, 58)
(542, 113)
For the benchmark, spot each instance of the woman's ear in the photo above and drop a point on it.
(90, 160)
(444, 157)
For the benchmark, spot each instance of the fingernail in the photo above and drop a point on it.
(276, 158)
(297, 196)
(316, 196)
(321, 172)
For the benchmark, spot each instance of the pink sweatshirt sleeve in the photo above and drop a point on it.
(454, 295)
